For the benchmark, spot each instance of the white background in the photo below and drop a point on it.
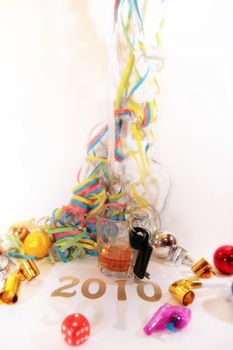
(53, 90)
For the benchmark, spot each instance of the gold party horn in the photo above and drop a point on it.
(203, 269)
(193, 282)
(9, 294)
(28, 270)
(181, 290)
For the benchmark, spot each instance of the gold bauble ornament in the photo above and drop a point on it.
(37, 244)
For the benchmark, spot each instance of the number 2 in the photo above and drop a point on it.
(59, 292)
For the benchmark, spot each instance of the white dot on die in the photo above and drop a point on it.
(64, 328)
(77, 333)
(82, 330)
(74, 324)
(86, 328)
(69, 341)
(69, 332)
(76, 315)
(77, 342)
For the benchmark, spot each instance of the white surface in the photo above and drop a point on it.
(53, 91)
(35, 321)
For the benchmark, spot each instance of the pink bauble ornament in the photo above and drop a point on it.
(75, 329)
(223, 259)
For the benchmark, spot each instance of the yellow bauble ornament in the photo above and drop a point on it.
(37, 244)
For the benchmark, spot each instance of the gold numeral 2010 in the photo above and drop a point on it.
(121, 289)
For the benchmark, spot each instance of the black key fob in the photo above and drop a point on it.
(139, 240)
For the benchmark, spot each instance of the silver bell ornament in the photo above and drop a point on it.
(163, 244)
(180, 256)
(165, 247)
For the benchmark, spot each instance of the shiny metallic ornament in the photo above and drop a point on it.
(179, 256)
(163, 243)
(4, 262)
(5, 245)
(37, 244)
(223, 259)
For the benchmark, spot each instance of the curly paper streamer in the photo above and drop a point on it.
(134, 113)
(72, 228)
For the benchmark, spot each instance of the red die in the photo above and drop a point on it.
(75, 329)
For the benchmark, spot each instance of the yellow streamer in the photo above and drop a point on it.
(141, 153)
(125, 79)
(143, 202)
(97, 159)
(84, 183)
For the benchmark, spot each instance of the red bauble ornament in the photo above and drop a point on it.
(75, 329)
(223, 259)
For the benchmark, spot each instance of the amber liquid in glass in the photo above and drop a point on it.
(115, 258)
